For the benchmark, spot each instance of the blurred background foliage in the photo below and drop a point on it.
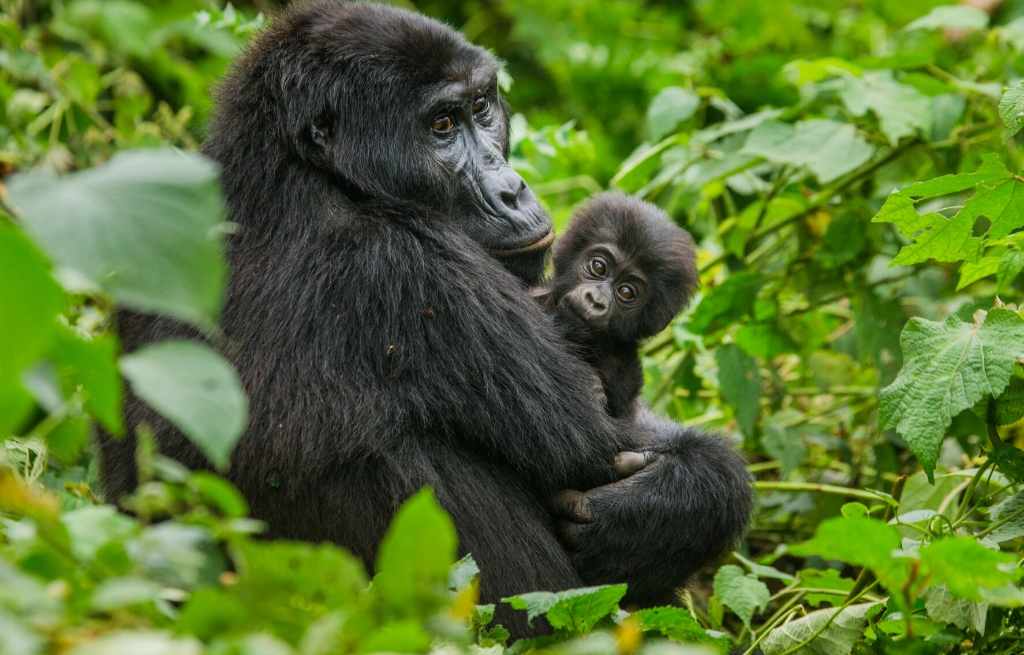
(850, 171)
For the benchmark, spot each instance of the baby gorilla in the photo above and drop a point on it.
(622, 271)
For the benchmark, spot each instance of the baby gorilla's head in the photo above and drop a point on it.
(623, 270)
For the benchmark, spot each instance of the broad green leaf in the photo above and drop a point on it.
(965, 567)
(463, 573)
(416, 554)
(177, 555)
(862, 541)
(117, 593)
(16, 638)
(574, 610)
(785, 445)
(30, 300)
(144, 227)
(406, 636)
(959, 17)
(1002, 205)
(670, 107)
(932, 236)
(741, 592)
(740, 384)
(901, 110)
(764, 340)
(824, 632)
(1010, 407)
(194, 387)
(1009, 514)
(93, 526)
(827, 148)
(1011, 107)
(944, 607)
(725, 303)
(948, 367)
(672, 622)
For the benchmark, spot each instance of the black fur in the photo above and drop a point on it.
(640, 246)
(383, 348)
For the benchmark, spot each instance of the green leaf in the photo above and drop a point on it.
(783, 444)
(93, 526)
(862, 541)
(827, 148)
(1010, 514)
(825, 579)
(117, 593)
(670, 107)
(726, 303)
(30, 300)
(740, 384)
(990, 170)
(574, 610)
(901, 110)
(416, 554)
(948, 367)
(463, 573)
(959, 17)
(672, 622)
(741, 592)
(944, 607)
(92, 363)
(194, 387)
(1011, 107)
(824, 632)
(932, 236)
(16, 638)
(965, 567)
(144, 227)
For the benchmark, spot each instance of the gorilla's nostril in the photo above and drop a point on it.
(596, 304)
(510, 199)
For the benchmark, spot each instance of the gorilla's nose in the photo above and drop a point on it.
(511, 189)
(595, 303)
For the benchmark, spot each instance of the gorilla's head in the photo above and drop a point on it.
(391, 108)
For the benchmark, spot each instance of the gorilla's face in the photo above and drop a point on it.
(405, 111)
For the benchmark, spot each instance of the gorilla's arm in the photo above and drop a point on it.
(689, 502)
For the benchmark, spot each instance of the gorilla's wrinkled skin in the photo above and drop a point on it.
(378, 317)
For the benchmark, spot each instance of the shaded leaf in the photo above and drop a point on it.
(1011, 107)
(194, 387)
(951, 17)
(827, 148)
(740, 383)
(824, 632)
(670, 107)
(741, 592)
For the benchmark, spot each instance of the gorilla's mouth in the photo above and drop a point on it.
(540, 244)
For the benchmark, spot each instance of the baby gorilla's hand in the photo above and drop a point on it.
(574, 509)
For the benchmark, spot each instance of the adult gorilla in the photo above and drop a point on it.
(384, 347)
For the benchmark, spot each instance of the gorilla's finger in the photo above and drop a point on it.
(570, 534)
(572, 505)
(628, 462)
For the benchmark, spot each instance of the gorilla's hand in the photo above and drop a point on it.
(681, 502)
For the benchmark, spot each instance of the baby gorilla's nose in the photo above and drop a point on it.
(595, 303)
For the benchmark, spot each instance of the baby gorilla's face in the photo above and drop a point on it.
(604, 293)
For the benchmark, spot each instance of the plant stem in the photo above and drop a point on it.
(865, 494)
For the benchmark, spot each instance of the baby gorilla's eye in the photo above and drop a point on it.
(627, 292)
(443, 124)
(480, 104)
(598, 267)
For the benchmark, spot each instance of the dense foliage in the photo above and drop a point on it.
(851, 172)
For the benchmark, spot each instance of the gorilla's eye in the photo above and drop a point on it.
(598, 267)
(443, 124)
(480, 104)
(627, 293)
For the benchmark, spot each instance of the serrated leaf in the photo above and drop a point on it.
(948, 367)
(1011, 107)
(670, 107)
(942, 606)
(901, 110)
(823, 632)
(194, 387)
(862, 541)
(672, 622)
(741, 592)
(932, 236)
(574, 610)
(416, 554)
(143, 227)
(740, 384)
(827, 148)
(990, 170)
(959, 17)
